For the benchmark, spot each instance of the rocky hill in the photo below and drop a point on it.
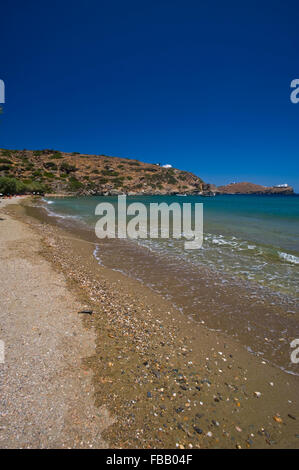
(73, 173)
(251, 188)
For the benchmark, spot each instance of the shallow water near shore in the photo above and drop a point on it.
(243, 282)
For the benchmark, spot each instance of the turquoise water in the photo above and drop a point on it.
(253, 237)
(242, 282)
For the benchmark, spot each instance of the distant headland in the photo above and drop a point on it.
(251, 188)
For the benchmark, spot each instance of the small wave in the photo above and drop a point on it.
(288, 257)
(52, 213)
(47, 201)
(62, 216)
(96, 254)
(219, 241)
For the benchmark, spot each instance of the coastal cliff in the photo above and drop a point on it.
(74, 173)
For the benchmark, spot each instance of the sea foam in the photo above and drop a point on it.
(288, 257)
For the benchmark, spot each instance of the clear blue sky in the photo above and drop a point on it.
(202, 85)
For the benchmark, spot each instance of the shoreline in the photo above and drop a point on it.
(167, 381)
(239, 283)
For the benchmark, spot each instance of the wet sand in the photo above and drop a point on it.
(166, 380)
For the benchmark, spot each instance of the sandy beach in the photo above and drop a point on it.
(46, 398)
(136, 373)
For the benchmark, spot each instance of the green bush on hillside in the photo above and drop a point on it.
(6, 153)
(102, 180)
(48, 174)
(74, 184)
(50, 165)
(15, 186)
(110, 173)
(5, 167)
(29, 167)
(67, 168)
(56, 156)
